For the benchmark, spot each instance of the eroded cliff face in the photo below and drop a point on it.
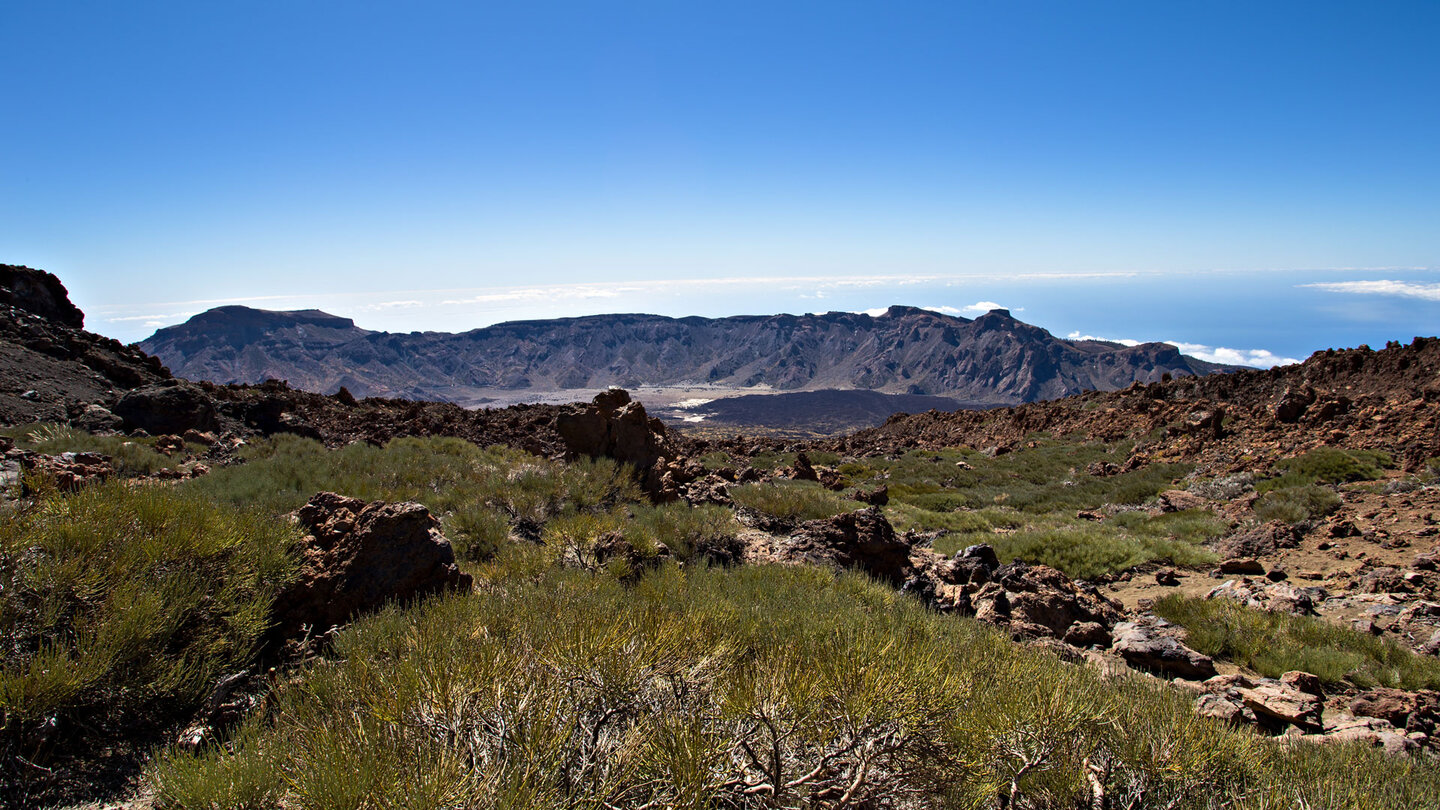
(993, 359)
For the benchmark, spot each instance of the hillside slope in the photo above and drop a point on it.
(994, 359)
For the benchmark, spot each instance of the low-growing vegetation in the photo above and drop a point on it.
(1328, 465)
(611, 657)
(129, 455)
(119, 608)
(793, 501)
(1296, 504)
(1024, 504)
(1273, 643)
(757, 687)
(1049, 477)
(481, 495)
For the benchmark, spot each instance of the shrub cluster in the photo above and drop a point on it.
(120, 606)
(1328, 465)
(754, 687)
(1273, 643)
(481, 495)
(793, 501)
(129, 455)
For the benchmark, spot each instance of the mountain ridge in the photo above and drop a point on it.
(992, 359)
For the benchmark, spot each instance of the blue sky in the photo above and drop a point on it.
(1152, 171)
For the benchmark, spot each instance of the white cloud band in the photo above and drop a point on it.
(1382, 286)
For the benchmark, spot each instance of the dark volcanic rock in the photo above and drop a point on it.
(1261, 541)
(38, 292)
(615, 427)
(360, 555)
(1045, 602)
(862, 539)
(51, 370)
(169, 407)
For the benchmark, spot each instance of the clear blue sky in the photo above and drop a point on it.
(1146, 170)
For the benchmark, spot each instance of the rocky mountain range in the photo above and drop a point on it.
(993, 359)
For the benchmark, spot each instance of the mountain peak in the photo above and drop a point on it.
(238, 315)
(994, 359)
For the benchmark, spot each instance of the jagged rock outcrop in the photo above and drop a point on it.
(357, 556)
(1045, 602)
(862, 539)
(39, 293)
(52, 370)
(614, 426)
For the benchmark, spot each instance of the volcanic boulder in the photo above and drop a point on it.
(862, 539)
(1045, 602)
(360, 555)
(1144, 647)
(615, 427)
(1260, 541)
(170, 407)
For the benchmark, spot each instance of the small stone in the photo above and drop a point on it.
(1220, 708)
(1241, 565)
(1179, 500)
(1303, 681)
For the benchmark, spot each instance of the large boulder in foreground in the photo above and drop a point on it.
(863, 539)
(358, 556)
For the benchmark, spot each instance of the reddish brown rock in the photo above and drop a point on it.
(1045, 601)
(1241, 565)
(615, 427)
(862, 539)
(358, 556)
(1178, 500)
(709, 489)
(879, 496)
(1303, 681)
(1284, 703)
(1402, 709)
(1260, 541)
